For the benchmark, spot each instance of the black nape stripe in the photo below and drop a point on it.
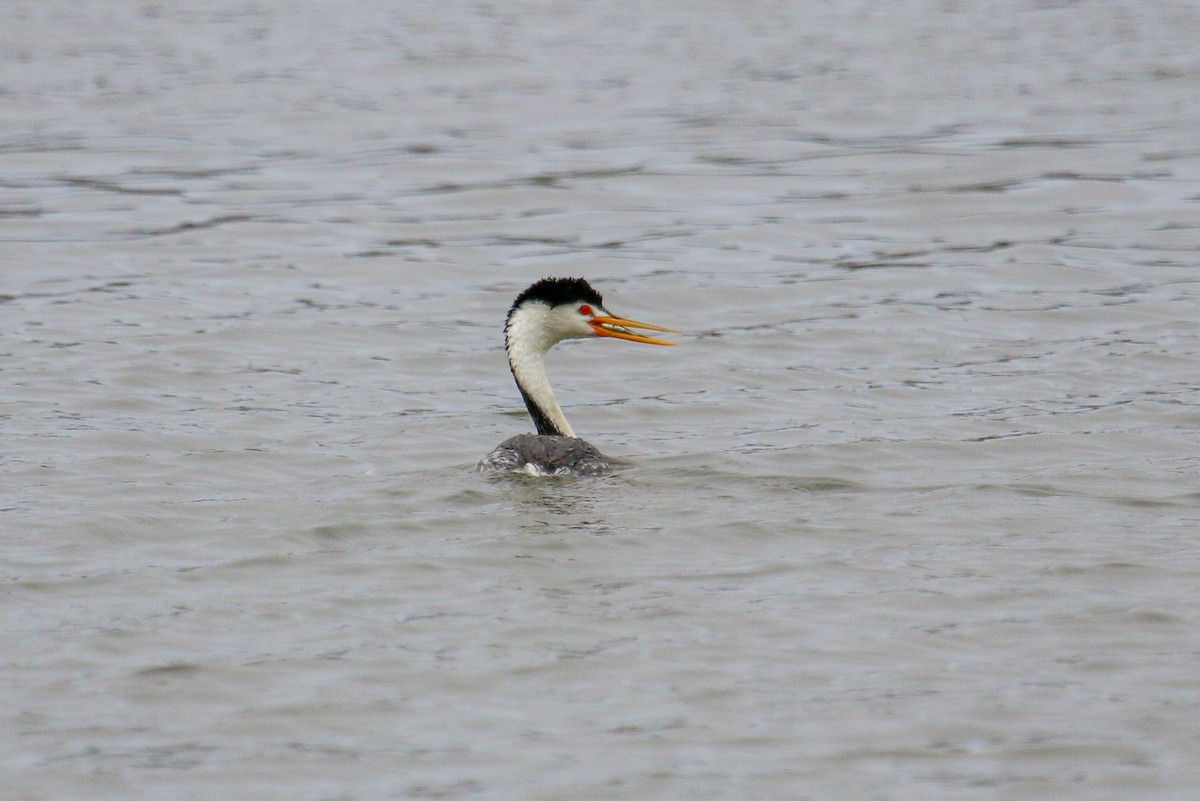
(544, 425)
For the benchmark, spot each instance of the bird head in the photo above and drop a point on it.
(555, 309)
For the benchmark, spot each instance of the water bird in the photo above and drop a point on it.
(545, 314)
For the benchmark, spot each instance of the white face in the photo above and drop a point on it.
(571, 321)
(536, 327)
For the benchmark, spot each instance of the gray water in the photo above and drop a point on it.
(911, 513)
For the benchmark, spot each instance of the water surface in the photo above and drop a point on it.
(910, 514)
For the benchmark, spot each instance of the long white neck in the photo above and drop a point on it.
(527, 338)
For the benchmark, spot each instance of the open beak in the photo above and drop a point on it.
(618, 327)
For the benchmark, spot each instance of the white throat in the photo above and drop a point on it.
(529, 334)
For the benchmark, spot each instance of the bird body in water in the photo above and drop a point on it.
(543, 315)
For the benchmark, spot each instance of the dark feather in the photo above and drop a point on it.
(548, 455)
(558, 292)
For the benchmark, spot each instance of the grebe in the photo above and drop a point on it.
(543, 315)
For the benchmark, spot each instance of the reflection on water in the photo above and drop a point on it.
(559, 504)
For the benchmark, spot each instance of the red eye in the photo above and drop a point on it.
(585, 309)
